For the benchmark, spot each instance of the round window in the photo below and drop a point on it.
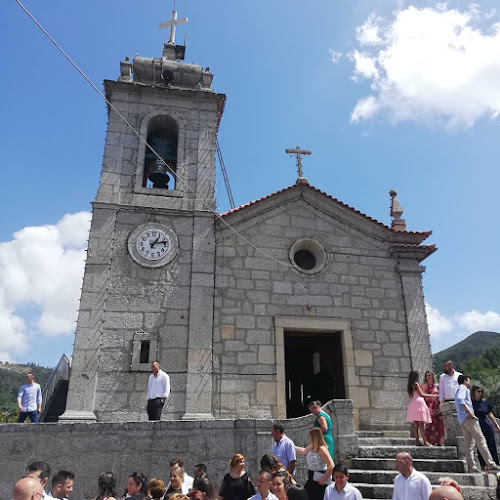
(307, 256)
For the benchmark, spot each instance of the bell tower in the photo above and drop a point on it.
(149, 277)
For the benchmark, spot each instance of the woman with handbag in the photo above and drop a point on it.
(319, 462)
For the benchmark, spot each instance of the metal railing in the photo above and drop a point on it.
(61, 372)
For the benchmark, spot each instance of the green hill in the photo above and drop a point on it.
(12, 376)
(474, 345)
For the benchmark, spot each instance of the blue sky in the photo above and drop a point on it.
(387, 94)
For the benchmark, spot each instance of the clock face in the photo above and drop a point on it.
(153, 245)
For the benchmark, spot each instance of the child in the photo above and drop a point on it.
(418, 411)
(264, 481)
(340, 485)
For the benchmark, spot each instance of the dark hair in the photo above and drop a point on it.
(284, 474)
(270, 463)
(296, 492)
(197, 495)
(177, 461)
(473, 390)
(107, 485)
(202, 483)
(340, 467)
(140, 479)
(267, 474)
(462, 379)
(412, 380)
(42, 467)
(61, 477)
(201, 468)
(278, 426)
(314, 402)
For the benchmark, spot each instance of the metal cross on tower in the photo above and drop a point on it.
(299, 152)
(172, 24)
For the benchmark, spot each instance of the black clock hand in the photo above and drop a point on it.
(151, 245)
(164, 242)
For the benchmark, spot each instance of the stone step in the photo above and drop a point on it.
(387, 477)
(388, 433)
(445, 466)
(387, 441)
(383, 491)
(437, 452)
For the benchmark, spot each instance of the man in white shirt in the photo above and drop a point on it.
(409, 483)
(264, 481)
(187, 480)
(340, 489)
(27, 488)
(62, 485)
(158, 391)
(448, 383)
(283, 449)
(40, 471)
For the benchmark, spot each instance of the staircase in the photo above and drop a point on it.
(373, 470)
(55, 392)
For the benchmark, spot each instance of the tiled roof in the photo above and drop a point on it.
(335, 200)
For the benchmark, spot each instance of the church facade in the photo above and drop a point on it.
(253, 312)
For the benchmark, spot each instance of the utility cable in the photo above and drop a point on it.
(185, 185)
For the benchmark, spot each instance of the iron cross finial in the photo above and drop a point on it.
(299, 152)
(172, 24)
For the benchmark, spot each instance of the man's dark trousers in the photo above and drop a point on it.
(155, 406)
(33, 415)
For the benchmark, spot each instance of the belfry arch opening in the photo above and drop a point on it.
(163, 137)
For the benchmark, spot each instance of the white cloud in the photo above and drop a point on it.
(41, 266)
(430, 64)
(365, 108)
(475, 321)
(335, 56)
(438, 323)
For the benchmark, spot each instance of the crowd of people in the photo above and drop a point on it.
(276, 481)
(474, 413)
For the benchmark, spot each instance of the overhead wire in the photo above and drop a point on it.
(145, 142)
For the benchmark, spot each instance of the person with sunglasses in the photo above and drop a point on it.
(27, 488)
(487, 422)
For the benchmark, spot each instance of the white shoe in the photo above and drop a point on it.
(494, 468)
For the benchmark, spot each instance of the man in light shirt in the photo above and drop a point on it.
(473, 435)
(264, 481)
(158, 391)
(29, 400)
(409, 483)
(448, 382)
(187, 480)
(340, 489)
(27, 488)
(62, 485)
(39, 471)
(283, 449)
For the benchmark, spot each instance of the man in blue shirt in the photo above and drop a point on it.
(470, 427)
(29, 399)
(283, 449)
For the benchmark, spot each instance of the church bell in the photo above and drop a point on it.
(158, 175)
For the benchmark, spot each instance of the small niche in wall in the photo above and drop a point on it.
(144, 351)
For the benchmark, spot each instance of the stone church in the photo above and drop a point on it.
(252, 312)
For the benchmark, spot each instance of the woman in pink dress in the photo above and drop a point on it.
(418, 412)
(435, 430)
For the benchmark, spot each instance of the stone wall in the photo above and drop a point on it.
(360, 284)
(89, 449)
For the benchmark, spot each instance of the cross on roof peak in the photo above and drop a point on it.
(172, 24)
(299, 152)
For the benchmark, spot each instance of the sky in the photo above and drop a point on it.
(386, 94)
